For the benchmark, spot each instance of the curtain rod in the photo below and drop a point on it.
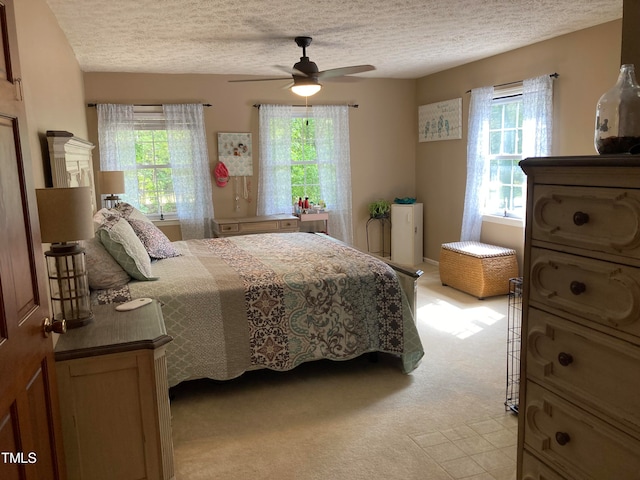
(351, 105)
(552, 75)
(148, 104)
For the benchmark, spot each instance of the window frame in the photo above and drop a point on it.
(303, 113)
(149, 117)
(507, 95)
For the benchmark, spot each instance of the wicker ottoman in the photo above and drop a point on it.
(478, 269)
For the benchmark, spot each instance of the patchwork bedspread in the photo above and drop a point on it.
(274, 301)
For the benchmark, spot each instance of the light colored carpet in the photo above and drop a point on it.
(362, 420)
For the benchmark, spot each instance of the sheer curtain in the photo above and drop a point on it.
(334, 167)
(117, 143)
(537, 116)
(537, 129)
(274, 183)
(190, 168)
(187, 155)
(477, 171)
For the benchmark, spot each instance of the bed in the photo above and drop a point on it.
(270, 301)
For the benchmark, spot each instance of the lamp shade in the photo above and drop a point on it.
(112, 181)
(66, 214)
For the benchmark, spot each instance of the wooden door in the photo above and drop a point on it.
(30, 431)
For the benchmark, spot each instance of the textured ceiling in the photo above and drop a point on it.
(402, 38)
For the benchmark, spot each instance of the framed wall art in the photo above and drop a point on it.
(234, 150)
(440, 121)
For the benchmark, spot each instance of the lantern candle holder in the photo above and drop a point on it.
(66, 216)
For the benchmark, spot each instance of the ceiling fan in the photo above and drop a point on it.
(305, 73)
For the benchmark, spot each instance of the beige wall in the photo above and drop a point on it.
(382, 129)
(385, 153)
(51, 79)
(587, 61)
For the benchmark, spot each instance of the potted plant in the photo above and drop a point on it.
(379, 209)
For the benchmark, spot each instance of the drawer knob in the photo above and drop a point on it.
(565, 359)
(577, 287)
(580, 218)
(562, 438)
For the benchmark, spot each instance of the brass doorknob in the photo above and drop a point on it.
(57, 326)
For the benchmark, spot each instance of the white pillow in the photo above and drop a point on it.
(125, 247)
(102, 269)
(129, 212)
(104, 215)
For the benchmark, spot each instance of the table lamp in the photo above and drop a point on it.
(112, 182)
(66, 215)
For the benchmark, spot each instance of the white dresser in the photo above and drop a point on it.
(579, 412)
(114, 396)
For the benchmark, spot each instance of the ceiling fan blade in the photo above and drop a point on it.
(259, 79)
(291, 70)
(342, 79)
(338, 72)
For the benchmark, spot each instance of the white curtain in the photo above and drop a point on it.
(477, 167)
(537, 116)
(117, 143)
(334, 167)
(190, 168)
(537, 129)
(274, 183)
(187, 155)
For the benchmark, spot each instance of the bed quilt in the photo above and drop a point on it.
(274, 301)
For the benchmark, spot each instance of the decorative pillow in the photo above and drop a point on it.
(125, 247)
(104, 215)
(129, 212)
(154, 240)
(102, 269)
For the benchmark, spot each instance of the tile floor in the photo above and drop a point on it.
(484, 449)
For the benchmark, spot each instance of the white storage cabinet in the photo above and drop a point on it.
(406, 233)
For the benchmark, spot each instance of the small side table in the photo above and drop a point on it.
(313, 217)
(114, 396)
(383, 221)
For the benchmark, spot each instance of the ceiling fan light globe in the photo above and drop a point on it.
(306, 90)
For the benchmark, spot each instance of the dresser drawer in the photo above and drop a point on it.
(266, 226)
(600, 219)
(288, 224)
(569, 439)
(602, 292)
(598, 369)
(229, 227)
(534, 469)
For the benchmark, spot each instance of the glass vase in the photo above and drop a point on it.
(618, 115)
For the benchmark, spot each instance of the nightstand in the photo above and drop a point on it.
(114, 396)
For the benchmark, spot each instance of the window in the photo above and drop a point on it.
(506, 189)
(155, 183)
(305, 153)
(305, 181)
(504, 128)
(163, 152)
